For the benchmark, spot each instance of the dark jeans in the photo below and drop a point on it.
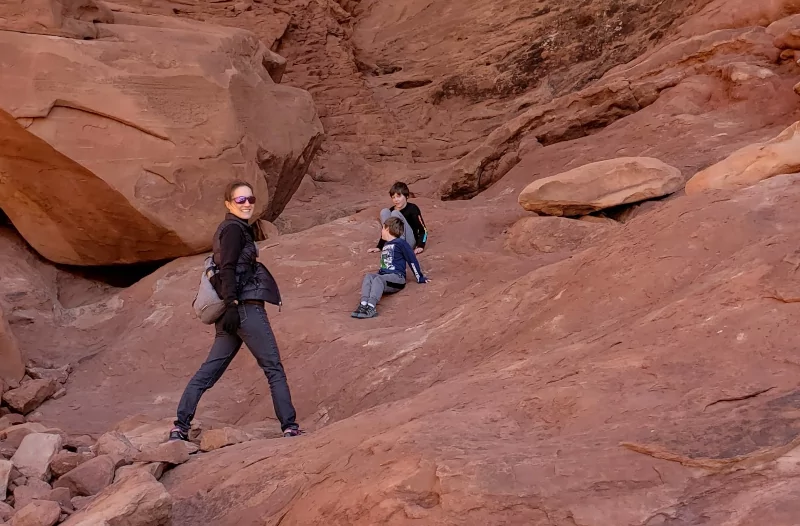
(256, 333)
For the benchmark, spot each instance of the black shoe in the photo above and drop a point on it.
(359, 312)
(369, 312)
(293, 432)
(178, 434)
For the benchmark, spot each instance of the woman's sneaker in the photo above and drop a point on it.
(293, 432)
(178, 434)
(370, 312)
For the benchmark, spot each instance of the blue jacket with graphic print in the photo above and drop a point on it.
(396, 254)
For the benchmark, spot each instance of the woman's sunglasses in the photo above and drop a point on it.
(242, 200)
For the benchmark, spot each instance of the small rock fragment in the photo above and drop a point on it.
(60, 375)
(66, 461)
(7, 450)
(81, 502)
(35, 416)
(90, 478)
(60, 495)
(35, 453)
(11, 419)
(29, 395)
(115, 443)
(34, 489)
(218, 438)
(5, 477)
(156, 469)
(173, 452)
(37, 513)
(14, 435)
(138, 499)
(6, 511)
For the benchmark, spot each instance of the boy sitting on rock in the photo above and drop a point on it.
(391, 277)
(414, 233)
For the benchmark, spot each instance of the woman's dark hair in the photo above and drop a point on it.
(232, 188)
(399, 188)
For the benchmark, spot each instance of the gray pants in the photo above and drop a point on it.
(376, 285)
(408, 233)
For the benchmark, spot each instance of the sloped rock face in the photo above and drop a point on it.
(595, 374)
(11, 365)
(752, 164)
(404, 89)
(623, 411)
(165, 132)
(69, 18)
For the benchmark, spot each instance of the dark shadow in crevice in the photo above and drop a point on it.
(411, 84)
(117, 276)
(624, 213)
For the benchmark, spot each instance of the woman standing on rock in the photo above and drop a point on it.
(244, 285)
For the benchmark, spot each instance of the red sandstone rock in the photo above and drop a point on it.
(6, 511)
(71, 18)
(5, 475)
(601, 185)
(115, 443)
(501, 392)
(138, 500)
(752, 164)
(217, 438)
(29, 395)
(66, 461)
(35, 453)
(33, 489)
(11, 366)
(90, 477)
(81, 502)
(156, 469)
(37, 513)
(193, 117)
(14, 435)
(173, 452)
(554, 235)
(60, 374)
(60, 495)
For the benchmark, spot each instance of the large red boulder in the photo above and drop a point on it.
(146, 126)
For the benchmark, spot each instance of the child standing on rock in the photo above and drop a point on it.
(391, 277)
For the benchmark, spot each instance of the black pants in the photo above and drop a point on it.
(256, 333)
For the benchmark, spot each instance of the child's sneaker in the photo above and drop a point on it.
(293, 432)
(178, 434)
(369, 312)
(359, 312)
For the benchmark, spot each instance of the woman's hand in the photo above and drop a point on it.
(230, 319)
(373, 249)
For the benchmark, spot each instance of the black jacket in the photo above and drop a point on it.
(413, 215)
(241, 277)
